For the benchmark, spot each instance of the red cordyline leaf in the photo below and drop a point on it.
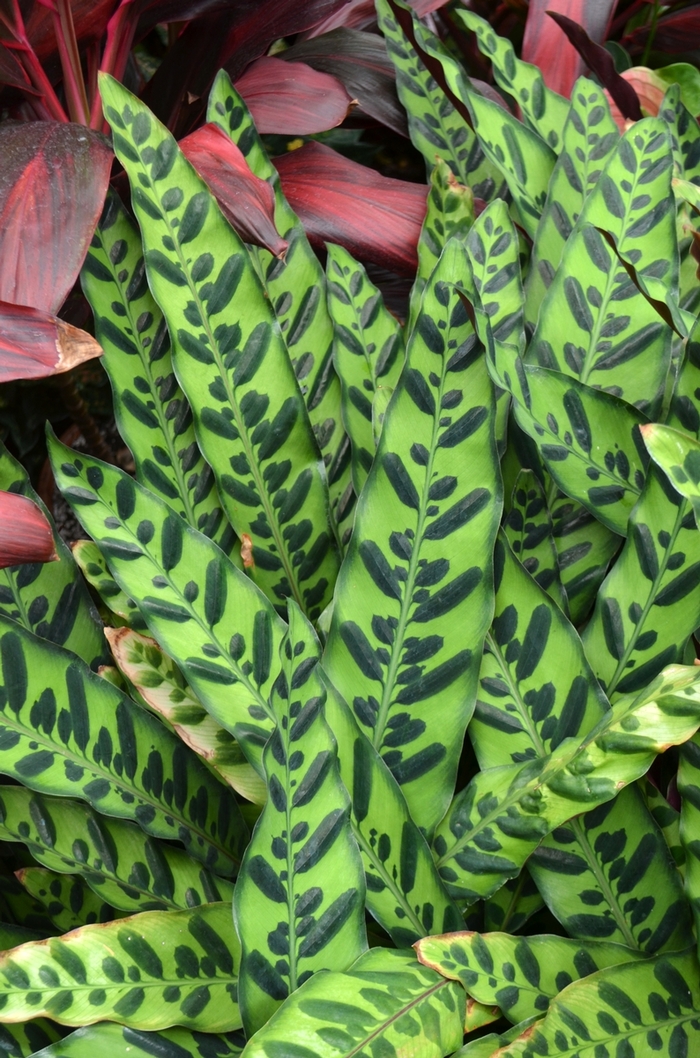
(355, 14)
(247, 201)
(376, 218)
(34, 344)
(25, 534)
(650, 90)
(53, 181)
(678, 32)
(90, 18)
(545, 44)
(290, 97)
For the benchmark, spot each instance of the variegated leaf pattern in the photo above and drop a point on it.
(49, 598)
(232, 363)
(149, 971)
(679, 457)
(530, 532)
(684, 133)
(27, 1037)
(667, 819)
(155, 557)
(120, 1041)
(450, 212)
(151, 410)
(527, 706)
(65, 731)
(544, 110)
(121, 864)
(636, 1009)
(513, 904)
(684, 405)
(608, 875)
(368, 352)
(404, 891)
(689, 789)
(410, 685)
(296, 288)
(164, 690)
(299, 901)
(585, 548)
(118, 608)
(496, 823)
(486, 1046)
(589, 137)
(386, 1003)
(521, 975)
(436, 125)
(23, 917)
(68, 899)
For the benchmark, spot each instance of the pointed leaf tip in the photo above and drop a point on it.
(25, 534)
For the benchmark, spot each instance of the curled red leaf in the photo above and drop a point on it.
(35, 344)
(25, 534)
(292, 98)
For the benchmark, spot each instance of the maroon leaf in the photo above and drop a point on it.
(355, 14)
(361, 62)
(546, 46)
(678, 32)
(601, 63)
(53, 181)
(290, 97)
(34, 344)
(247, 201)
(376, 218)
(25, 534)
(424, 7)
(90, 19)
(12, 73)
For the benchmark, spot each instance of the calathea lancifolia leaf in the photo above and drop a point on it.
(296, 288)
(151, 410)
(49, 598)
(666, 817)
(513, 904)
(70, 733)
(638, 1008)
(232, 362)
(368, 351)
(422, 550)
(589, 137)
(519, 974)
(678, 455)
(164, 690)
(689, 789)
(299, 901)
(118, 609)
(115, 858)
(181, 581)
(68, 899)
(530, 533)
(404, 890)
(120, 1041)
(386, 999)
(28, 1036)
(149, 971)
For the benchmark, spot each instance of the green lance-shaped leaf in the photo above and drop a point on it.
(684, 132)
(68, 899)
(689, 788)
(530, 533)
(486, 1046)
(521, 975)
(65, 731)
(404, 890)
(297, 291)
(513, 904)
(120, 1041)
(368, 351)
(25, 1039)
(436, 125)
(160, 562)
(27, 915)
(151, 410)
(678, 455)
(597, 326)
(585, 548)
(589, 137)
(667, 819)
(164, 690)
(636, 1009)
(496, 823)
(450, 212)
(536, 688)
(524, 159)
(684, 406)
(150, 971)
(117, 603)
(648, 604)
(422, 550)
(544, 110)
(387, 1003)
(49, 598)
(299, 902)
(122, 865)
(231, 361)
(608, 875)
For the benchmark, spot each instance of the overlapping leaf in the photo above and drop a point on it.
(585, 548)
(28, 1036)
(386, 1000)
(68, 899)
(689, 788)
(422, 550)
(118, 607)
(232, 363)
(65, 731)
(155, 557)
(120, 1041)
(115, 858)
(150, 971)
(368, 353)
(513, 904)
(530, 533)
(298, 904)
(667, 819)
(151, 410)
